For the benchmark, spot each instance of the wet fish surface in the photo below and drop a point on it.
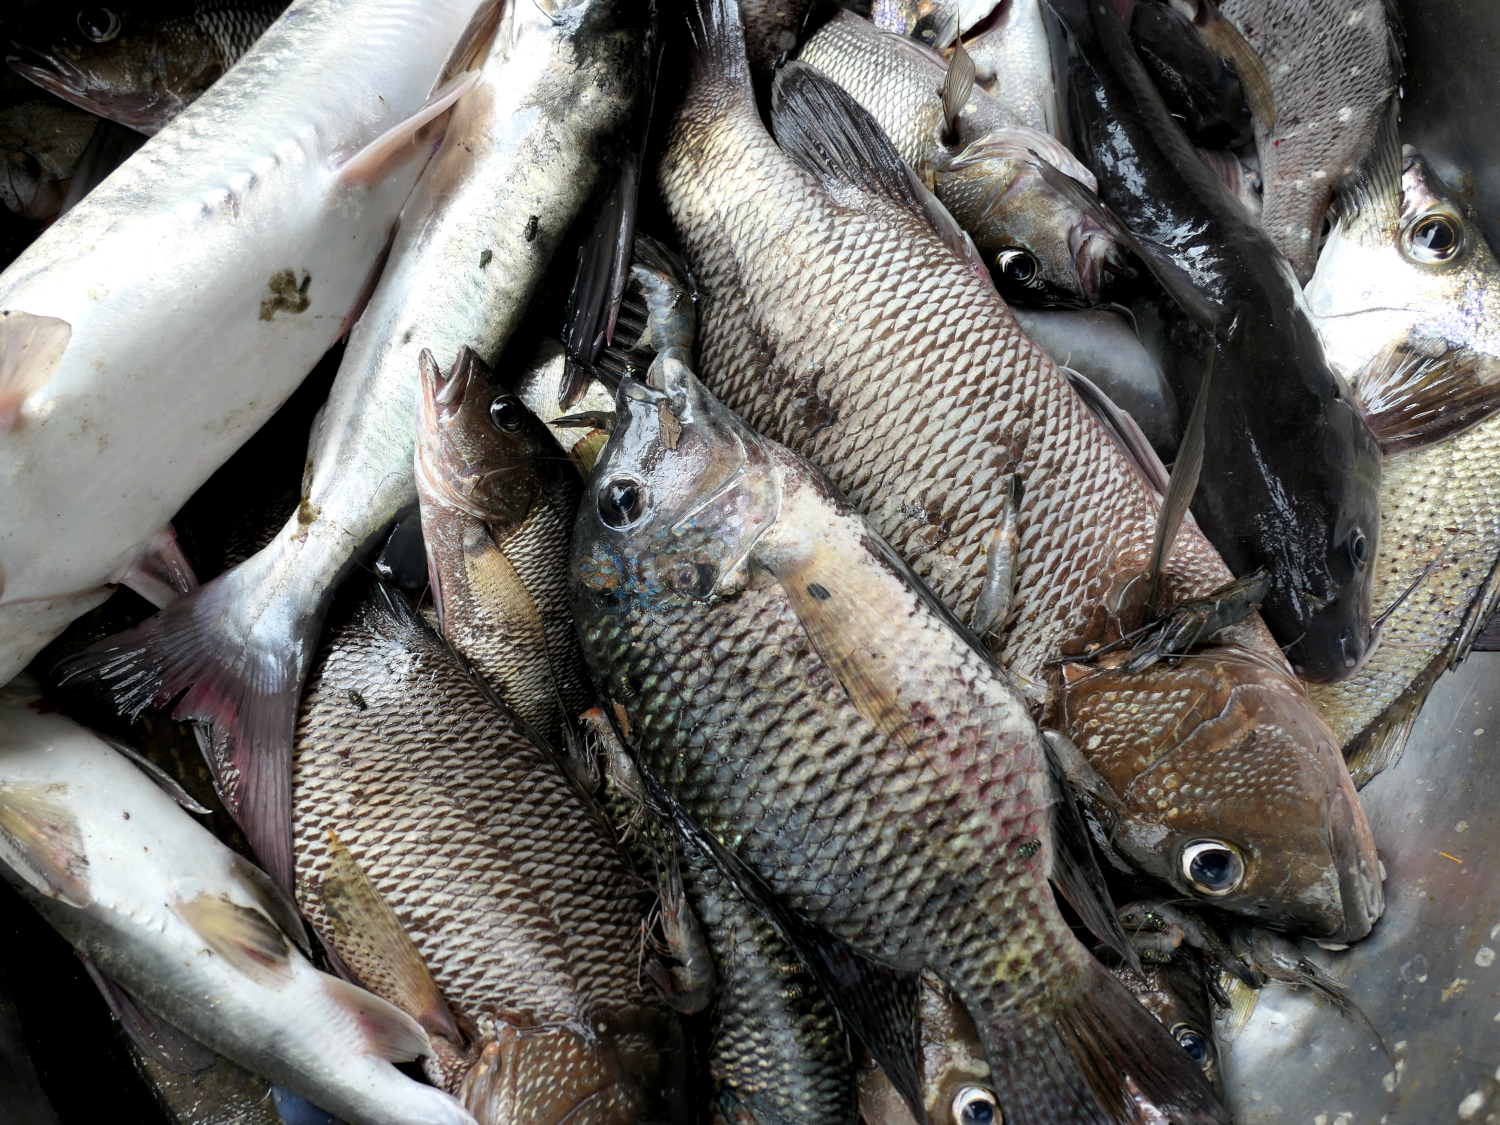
(1012, 53)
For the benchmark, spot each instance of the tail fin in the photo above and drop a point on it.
(1097, 1058)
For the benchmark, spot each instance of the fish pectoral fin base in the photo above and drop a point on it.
(1095, 1055)
(162, 574)
(389, 1033)
(156, 1038)
(1411, 401)
(41, 842)
(242, 935)
(404, 140)
(31, 347)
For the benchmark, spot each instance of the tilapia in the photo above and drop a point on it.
(473, 245)
(455, 872)
(200, 938)
(271, 212)
(836, 320)
(978, 159)
(1293, 482)
(1176, 991)
(41, 143)
(1407, 301)
(1334, 67)
(138, 70)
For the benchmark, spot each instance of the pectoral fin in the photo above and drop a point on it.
(242, 935)
(162, 574)
(31, 347)
(403, 141)
(1411, 400)
(41, 841)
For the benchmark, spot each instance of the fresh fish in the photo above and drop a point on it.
(201, 939)
(1334, 68)
(497, 506)
(978, 159)
(541, 388)
(836, 320)
(1176, 990)
(933, 23)
(41, 143)
(271, 211)
(463, 268)
(453, 869)
(140, 70)
(1199, 87)
(1294, 479)
(1012, 54)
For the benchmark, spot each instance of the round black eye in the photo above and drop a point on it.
(622, 501)
(506, 413)
(1359, 549)
(974, 1105)
(99, 24)
(1016, 265)
(1434, 238)
(1194, 1042)
(1213, 867)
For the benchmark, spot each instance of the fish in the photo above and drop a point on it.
(1199, 87)
(497, 506)
(1011, 49)
(463, 267)
(277, 210)
(771, 29)
(41, 144)
(1406, 299)
(199, 937)
(1293, 486)
(542, 387)
(835, 319)
(1335, 68)
(1177, 992)
(855, 763)
(135, 69)
(976, 157)
(933, 23)
(453, 869)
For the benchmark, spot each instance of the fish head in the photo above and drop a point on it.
(678, 498)
(1232, 788)
(1175, 991)
(1040, 247)
(479, 449)
(136, 71)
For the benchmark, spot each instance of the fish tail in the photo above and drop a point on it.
(1095, 1057)
(718, 36)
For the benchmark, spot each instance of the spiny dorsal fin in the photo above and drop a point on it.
(373, 943)
(42, 843)
(1225, 40)
(389, 1033)
(404, 140)
(31, 347)
(958, 84)
(242, 935)
(1182, 485)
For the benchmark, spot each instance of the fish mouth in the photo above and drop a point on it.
(1095, 252)
(1360, 892)
(146, 112)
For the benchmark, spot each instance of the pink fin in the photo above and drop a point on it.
(31, 347)
(389, 1032)
(162, 574)
(402, 141)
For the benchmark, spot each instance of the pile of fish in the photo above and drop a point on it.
(849, 560)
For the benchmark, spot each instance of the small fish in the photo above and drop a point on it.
(1178, 992)
(1012, 53)
(137, 70)
(201, 939)
(41, 144)
(977, 158)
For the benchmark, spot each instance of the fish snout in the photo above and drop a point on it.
(1357, 863)
(1095, 252)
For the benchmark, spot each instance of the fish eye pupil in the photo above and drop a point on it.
(1213, 867)
(99, 24)
(1016, 265)
(1192, 1042)
(1359, 548)
(506, 414)
(1434, 234)
(620, 502)
(974, 1105)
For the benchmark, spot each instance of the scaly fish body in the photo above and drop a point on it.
(835, 320)
(514, 895)
(41, 144)
(1012, 55)
(190, 928)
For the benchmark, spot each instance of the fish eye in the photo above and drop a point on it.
(974, 1105)
(1194, 1042)
(1016, 265)
(506, 413)
(99, 24)
(1359, 549)
(1432, 238)
(1213, 867)
(622, 501)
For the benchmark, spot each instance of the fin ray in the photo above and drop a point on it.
(31, 347)
(404, 140)
(41, 841)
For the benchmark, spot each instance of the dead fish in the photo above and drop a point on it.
(135, 69)
(454, 871)
(771, 29)
(205, 944)
(1176, 991)
(978, 159)
(1012, 54)
(41, 144)
(837, 320)
(1334, 67)
(853, 761)
(933, 23)
(1198, 85)
(497, 506)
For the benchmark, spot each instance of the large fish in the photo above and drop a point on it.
(977, 157)
(851, 758)
(264, 215)
(455, 872)
(1012, 54)
(1292, 484)
(138, 70)
(1334, 67)
(557, 89)
(837, 321)
(199, 937)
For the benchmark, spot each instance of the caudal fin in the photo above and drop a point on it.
(1096, 1058)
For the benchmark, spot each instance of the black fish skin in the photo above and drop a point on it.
(1197, 85)
(1294, 480)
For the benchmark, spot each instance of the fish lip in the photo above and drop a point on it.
(59, 75)
(47, 69)
(1353, 847)
(1092, 248)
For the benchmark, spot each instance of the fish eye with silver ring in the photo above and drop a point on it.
(98, 24)
(1195, 1043)
(975, 1105)
(1213, 867)
(505, 413)
(621, 502)
(1016, 265)
(1434, 237)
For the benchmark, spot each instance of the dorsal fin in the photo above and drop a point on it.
(1183, 483)
(958, 84)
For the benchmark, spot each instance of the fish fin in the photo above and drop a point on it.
(474, 43)
(365, 926)
(270, 898)
(718, 35)
(599, 285)
(1001, 564)
(404, 140)
(164, 781)
(1021, 142)
(1411, 401)
(202, 648)
(1123, 429)
(958, 84)
(389, 1032)
(1225, 40)
(1094, 1056)
(1181, 486)
(157, 1038)
(242, 935)
(40, 840)
(1380, 745)
(162, 574)
(1487, 636)
(31, 347)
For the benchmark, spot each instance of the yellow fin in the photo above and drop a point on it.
(242, 935)
(40, 840)
(1225, 40)
(31, 347)
(404, 140)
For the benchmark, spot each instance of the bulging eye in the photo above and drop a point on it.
(1195, 1043)
(974, 1105)
(1434, 237)
(1213, 867)
(1016, 265)
(506, 414)
(1359, 549)
(99, 24)
(622, 501)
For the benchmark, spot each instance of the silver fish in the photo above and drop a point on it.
(1012, 56)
